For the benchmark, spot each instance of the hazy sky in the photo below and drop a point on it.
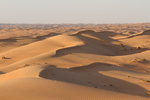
(74, 11)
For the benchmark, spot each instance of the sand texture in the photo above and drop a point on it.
(75, 62)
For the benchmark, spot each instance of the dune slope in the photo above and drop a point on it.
(86, 65)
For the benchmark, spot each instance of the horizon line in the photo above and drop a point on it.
(71, 23)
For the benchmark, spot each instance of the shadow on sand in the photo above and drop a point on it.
(102, 45)
(89, 76)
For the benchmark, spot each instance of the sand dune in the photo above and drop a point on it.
(80, 65)
(42, 89)
(39, 48)
(28, 79)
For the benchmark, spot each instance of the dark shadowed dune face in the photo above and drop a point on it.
(47, 36)
(86, 31)
(146, 32)
(100, 43)
(11, 40)
(99, 34)
(89, 75)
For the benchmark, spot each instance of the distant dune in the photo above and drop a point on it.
(75, 63)
(146, 32)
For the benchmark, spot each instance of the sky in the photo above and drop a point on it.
(74, 11)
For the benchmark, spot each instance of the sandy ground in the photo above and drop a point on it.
(75, 64)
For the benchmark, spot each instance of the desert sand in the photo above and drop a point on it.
(75, 62)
